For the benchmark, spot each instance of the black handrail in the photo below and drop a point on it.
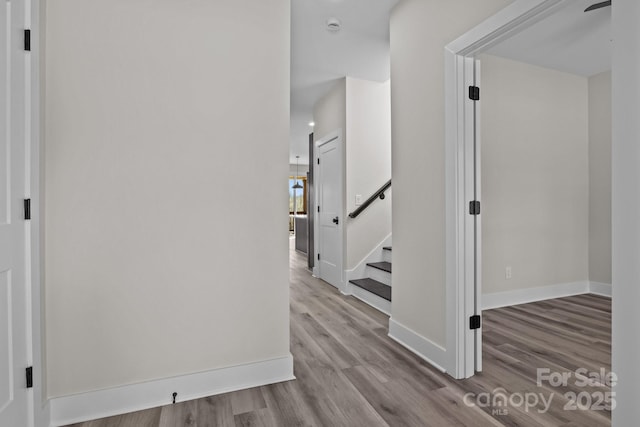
(365, 205)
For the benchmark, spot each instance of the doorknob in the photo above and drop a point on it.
(335, 220)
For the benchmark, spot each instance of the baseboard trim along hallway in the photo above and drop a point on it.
(416, 343)
(135, 397)
(602, 289)
(528, 295)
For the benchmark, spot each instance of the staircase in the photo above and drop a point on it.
(375, 289)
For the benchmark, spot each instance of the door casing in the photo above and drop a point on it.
(31, 13)
(463, 250)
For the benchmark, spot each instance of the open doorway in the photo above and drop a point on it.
(536, 205)
(340, 69)
(298, 205)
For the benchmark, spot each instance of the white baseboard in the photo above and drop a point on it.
(602, 289)
(367, 297)
(43, 416)
(431, 352)
(524, 296)
(135, 397)
(358, 272)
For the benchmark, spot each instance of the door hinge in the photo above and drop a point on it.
(474, 93)
(27, 209)
(474, 207)
(29, 376)
(27, 40)
(318, 257)
(474, 322)
(318, 160)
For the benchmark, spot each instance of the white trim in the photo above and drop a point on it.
(431, 352)
(379, 275)
(35, 20)
(602, 289)
(477, 303)
(45, 415)
(524, 296)
(36, 11)
(119, 400)
(509, 21)
(468, 275)
(376, 254)
(387, 255)
(369, 298)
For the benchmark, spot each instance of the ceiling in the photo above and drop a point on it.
(570, 40)
(319, 57)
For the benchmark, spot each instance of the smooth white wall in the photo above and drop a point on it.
(600, 178)
(626, 210)
(368, 165)
(419, 31)
(535, 178)
(153, 265)
(301, 169)
(361, 110)
(330, 112)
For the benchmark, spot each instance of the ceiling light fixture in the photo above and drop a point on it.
(333, 25)
(312, 124)
(297, 184)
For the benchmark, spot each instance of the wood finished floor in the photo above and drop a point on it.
(350, 373)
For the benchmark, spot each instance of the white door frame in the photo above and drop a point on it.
(34, 20)
(334, 135)
(461, 298)
(33, 12)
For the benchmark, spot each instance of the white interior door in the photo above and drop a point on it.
(329, 202)
(14, 310)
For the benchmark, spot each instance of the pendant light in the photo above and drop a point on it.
(297, 184)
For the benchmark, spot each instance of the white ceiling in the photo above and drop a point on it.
(570, 40)
(318, 57)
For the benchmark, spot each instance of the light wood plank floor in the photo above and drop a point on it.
(350, 373)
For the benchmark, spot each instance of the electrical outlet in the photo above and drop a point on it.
(507, 273)
(358, 199)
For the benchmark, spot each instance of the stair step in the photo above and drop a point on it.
(373, 286)
(384, 266)
(386, 253)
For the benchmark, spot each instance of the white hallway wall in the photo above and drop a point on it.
(535, 177)
(545, 197)
(301, 169)
(417, 117)
(152, 109)
(600, 178)
(420, 29)
(362, 110)
(368, 165)
(626, 210)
